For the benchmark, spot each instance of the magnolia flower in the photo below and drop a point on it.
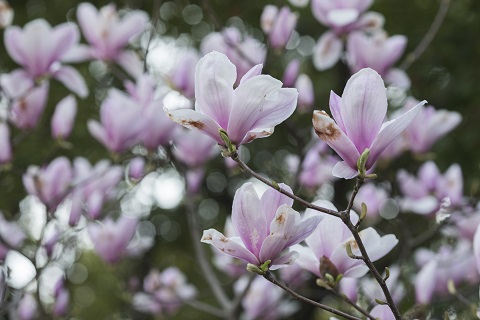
(424, 194)
(359, 122)
(306, 94)
(266, 228)
(5, 144)
(278, 24)
(108, 34)
(120, 123)
(248, 112)
(51, 183)
(326, 246)
(377, 52)
(244, 51)
(429, 126)
(111, 238)
(27, 110)
(339, 15)
(373, 196)
(182, 75)
(39, 49)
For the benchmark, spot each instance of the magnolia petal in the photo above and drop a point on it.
(364, 106)
(214, 79)
(335, 103)
(476, 247)
(130, 62)
(307, 259)
(228, 246)
(249, 223)
(72, 79)
(286, 258)
(357, 271)
(78, 53)
(331, 133)
(342, 17)
(343, 170)
(130, 25)
(257, 134)
(260, 103)
(425, 283)
(255, 71)
(87, 17)
(16, 83)
(390, 130)
(197, 121)
(272, 199)
(304, 229)
(382, 312)
(13, 45)
(98, 131)
(272, 246)
(327, 51)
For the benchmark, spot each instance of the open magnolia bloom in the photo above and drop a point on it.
(250, 111)
(358, 122)
(266, 228)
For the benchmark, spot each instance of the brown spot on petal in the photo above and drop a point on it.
(207, 238)
(280, 219)
(197, 124)
(224, 240)
(231, 250)
(328, 133)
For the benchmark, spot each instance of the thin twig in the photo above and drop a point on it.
(202, 259)
(269, 276)
(345, 216)
(153, 29)
(353, 304)
(275, 186)
(427, 39)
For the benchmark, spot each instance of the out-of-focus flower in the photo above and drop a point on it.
(271, 306)
(327, 51)
(325, 251)
(278, 25)
(182, 76)
(266, 228)
(424, 194)
(121, 122)
(6, 14)
(359, 122)
(39, 49)
(108, 34)
(248, 112)
(92, 186)
(11, 236)
(5, 144)
(50, 183)
(373, 196)
(429, 126)
(378, 52)
(62, 298)
(339, 15)
(244, 52)
(157, 129)
(306, 94)
(382, 312)
(64, 117)
(164, 292)
(291, 73)
(111, 238)
(455, 264)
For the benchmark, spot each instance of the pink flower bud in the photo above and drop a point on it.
(64, 117)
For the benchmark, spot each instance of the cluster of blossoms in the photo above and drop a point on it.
(120, 209)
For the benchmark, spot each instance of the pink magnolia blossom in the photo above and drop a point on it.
(50, 183)
(108, 34)
(5, 144)
(326, 246)
(157, 129)
(164, 292)
(64, 117)
(429, 126)
(455, 264)
(306, 94)
(243, 51)
(373, 196)
(182, 76)
(27, 110)
(111, 238)
(92, 186)
(358, 122)
(121, 122)
(40, 49)
(248, 112)
(266, 228)
(278, 24)
(377, 52)
(339, 14)
(424, 194)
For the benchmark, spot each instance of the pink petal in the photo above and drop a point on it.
(130, 62)
(87, 17)
(343, 170)
(328, 51)
(228, 246)
(129, 26)
(214, 79)
(272, 199)
(72, 79)
(255, 71)
(197, 121)
(390, 130)
(364, 106)
(249, 223)
(331, 133)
